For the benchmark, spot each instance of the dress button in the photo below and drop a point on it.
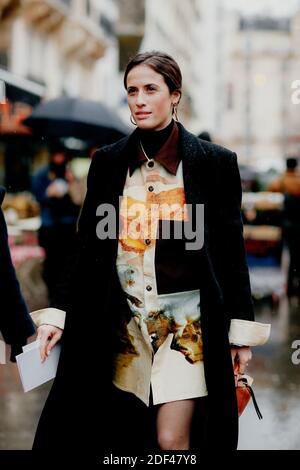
(147, 241)
(150, 189)
(149, 288)
(150, 164)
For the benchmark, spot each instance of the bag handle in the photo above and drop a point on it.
(245, 382)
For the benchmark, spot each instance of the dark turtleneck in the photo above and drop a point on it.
(152, 141)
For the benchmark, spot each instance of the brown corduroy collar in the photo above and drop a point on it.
(168, 155)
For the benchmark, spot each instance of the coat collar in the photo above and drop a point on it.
(193, 167)
(194, 158)
(168, 155)
(196, 179)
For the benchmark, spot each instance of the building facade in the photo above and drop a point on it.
(50, 48)
(254, 108)
(60, 44)
(172, 26)
(293, 107)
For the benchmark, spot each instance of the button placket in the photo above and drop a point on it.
(150, 293)
(150, 165)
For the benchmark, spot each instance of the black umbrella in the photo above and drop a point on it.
(76, 117)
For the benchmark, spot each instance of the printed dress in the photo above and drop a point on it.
(161, 345)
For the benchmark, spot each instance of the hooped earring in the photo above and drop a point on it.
(174, 113)
(132, 120)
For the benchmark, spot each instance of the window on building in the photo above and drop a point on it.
(107, 25)
(67, 2)
(128, 46)
(88, 7)
(230, 97)
(3, 59)
(37, 57)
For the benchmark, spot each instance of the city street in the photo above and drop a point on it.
(276, 386)
(154, 129)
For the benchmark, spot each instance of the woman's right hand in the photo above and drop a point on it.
(48, 336)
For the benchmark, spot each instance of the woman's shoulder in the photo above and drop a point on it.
(110, 149)
(206, 147)
(106, 154)
(215, 149)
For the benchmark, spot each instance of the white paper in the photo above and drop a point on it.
(33, 372)
(33, 345)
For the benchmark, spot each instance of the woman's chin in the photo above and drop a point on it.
(145, 124)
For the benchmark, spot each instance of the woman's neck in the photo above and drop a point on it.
(152, 140)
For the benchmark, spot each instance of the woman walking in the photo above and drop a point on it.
(157, 305)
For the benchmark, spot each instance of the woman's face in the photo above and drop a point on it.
(149, 98)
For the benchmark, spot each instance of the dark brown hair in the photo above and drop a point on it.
(161, 63)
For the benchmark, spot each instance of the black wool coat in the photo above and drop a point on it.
(15, 323)
(83, 404)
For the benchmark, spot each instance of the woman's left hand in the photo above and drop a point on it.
(240, 358)
(48, 336)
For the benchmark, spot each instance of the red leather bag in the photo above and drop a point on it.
(244, 393)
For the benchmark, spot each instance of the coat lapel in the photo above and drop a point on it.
(193, 167)
(119, 155)
(194, 159)
(120, 158)
(193, 164)
(197, 187)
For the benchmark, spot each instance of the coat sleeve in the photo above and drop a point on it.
(15, 323)
(235, 282)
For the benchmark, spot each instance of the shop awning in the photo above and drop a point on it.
(18, 96)
(22, 84)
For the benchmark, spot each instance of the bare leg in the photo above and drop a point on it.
(173, 424)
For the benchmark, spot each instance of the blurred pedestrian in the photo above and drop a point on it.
(153, 325)
(289, 185)
(289, 181)
(15, 323)
(59, 213)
